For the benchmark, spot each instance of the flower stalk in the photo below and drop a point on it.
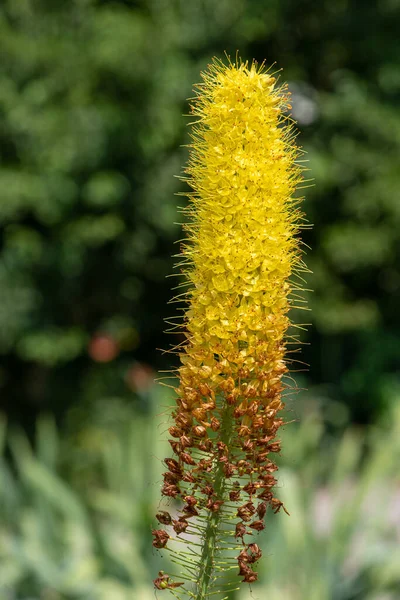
(240, 259)
(213, 520)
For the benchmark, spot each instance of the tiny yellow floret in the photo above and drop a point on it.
(243, 174)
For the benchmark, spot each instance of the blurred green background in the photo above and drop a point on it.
(91, 132)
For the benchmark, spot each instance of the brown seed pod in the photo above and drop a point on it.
(261, 510)
(176, 446)
(257, 525)
(199, 431)
(244, 430)
(229, 470)
(161, 538)
(276, 506)
(191, 500)
(205, 445)
(187, 458)
(222, 448)
(207, 490)
(162, 582)
(275, 447)
(246, 511)
(248, 445)
(214, 506)
(240, 530)
(231, 399)
(251, 488)
(164, 517)
(171, 477)
(184, 420)
(215, 424)
(175, 431)
(234, 495)
(254, 553)
(170, 490)
(199, 414)
(180, 526)
(250, 576)
(189, 477)
(189, 511)
(266, 495)
(173, 466)
(186, 441)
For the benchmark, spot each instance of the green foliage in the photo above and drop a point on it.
(91, 97)
(90, 540)
(75, 521)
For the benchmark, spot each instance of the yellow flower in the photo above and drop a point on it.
(241, 251)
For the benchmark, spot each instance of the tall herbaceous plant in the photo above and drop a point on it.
(242, 264)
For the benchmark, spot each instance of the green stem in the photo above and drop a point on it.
(214, 518)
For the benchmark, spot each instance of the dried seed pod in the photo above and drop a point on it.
(240, 530)
(215, 424)
(163, 582)
(254, 553)
(171, 477)
(199, 431)
(173, 466)
(257, 525)
(180, 526)
(170, 490)
(261, 510)
(190, 500)
(161, 538)
(164, 517)
(234, 496)
(214, 506)
(187, 458)
(175, 431)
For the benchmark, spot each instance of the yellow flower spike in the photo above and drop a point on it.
(240, 252)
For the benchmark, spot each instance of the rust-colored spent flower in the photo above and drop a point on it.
(240, 253)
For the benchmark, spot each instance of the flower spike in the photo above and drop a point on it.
(240, 253)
